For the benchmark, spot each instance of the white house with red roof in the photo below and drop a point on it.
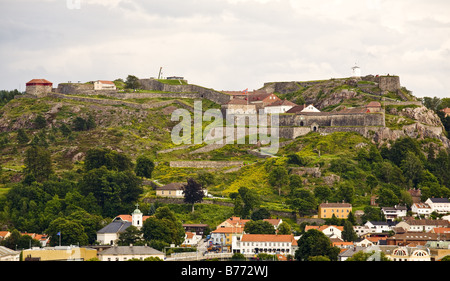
(266, 243)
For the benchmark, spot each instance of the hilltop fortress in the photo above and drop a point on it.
(294, 119)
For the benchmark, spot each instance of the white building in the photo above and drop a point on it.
(356, 71)
(422, 225)
(421, 209)
(439, 205)
(124, 253)
(191, 239)
(104, 85)
(266, 243)
(331, 231)
(378, 226)
(310, 108)
(7, 254)
(278, 107)
(392, 213)
(109, 234)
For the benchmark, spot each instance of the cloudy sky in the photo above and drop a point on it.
(226, 44)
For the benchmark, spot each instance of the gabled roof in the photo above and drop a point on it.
(439, 200)
(128, 218)
(115, 227)
(282, 103)
(172, 186)
(229, 230)
(323, 227)
(335, 205)
(238, 101)
(296, 109)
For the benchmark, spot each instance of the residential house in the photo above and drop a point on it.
(415, 238)
(224, 235)
(104, 85)
(266, 243)
(310, 108)
(124, 253)
(174, 190)
(378, 226)
(396, 253)
(349, 252)
(340, 210)
(191, 239)
(421, 209)
(446, 111)
(239, 106)
(198, 228)
(7, 254)
(331, 231)
(422, 225)
(392, 213)
(439, 205)
(4, 235)
(278, 107)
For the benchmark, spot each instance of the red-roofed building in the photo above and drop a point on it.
(38, 87)
(446, 111)
(104, 85)
(266, 243)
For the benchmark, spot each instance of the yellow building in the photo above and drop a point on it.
(340, 210)
(60, 253)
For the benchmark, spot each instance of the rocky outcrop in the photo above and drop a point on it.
(421, 114)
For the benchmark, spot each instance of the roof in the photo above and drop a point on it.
(105, 82)
(172, 186)
(229, 230)
(129, 218)
(374, 104)
(335, 205)
(446, 110)
(39, 81)
(439, 200)
(268, 238)
(428, 222)
(282, 103)
(421, 205)
(323, 227)
(131, 250)
(258, 97)
(115, 227)
(238, 101)
(296, 109)
(4, 251)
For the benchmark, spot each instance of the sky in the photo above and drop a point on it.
(226, 44)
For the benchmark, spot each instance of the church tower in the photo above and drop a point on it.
(136, 217)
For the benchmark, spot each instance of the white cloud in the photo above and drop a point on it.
(225, 44)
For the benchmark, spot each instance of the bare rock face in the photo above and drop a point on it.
(421, 114)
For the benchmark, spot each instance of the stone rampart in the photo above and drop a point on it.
(205, 164)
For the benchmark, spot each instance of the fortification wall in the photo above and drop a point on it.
(327, 120)
(205, 164)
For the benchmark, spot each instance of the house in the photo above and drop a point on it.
(278, 107)
(198, 228)
(124, 253)
(238, 222)
(239, 106)
(416, 238)
(331, 231)
(59, 253)
(421, 209)
(109, 234)
(422, 225)
(379, 226)
(373, 106)
(310, 108)
(224, 235)
(439, 205)
(340, 210)
(261, 100)
(396, 253)
(38, 87)
(104, 85)
(174, 190)
(266, 243)
(349, 252)
(392, 213)
(4, 235)
(7, 254)
(191, 239)
(446, 111)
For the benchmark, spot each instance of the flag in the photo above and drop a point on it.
(245, 91)
(59, 233)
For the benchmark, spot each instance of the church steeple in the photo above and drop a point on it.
(136, 217)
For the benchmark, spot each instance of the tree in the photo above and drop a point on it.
(38, 163)
(40, 122)
(132, 82)
(245, 201)
(260, 214)
(349, 234)
(112, 160)
(412, 168)
(193, 193)
(22, 137)
(315, 243)
(67, 231)
(163, 227)
(278, 178)
(144, 166)
(303, 201)
(259, 227)
(131, 236)
(284, 228)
